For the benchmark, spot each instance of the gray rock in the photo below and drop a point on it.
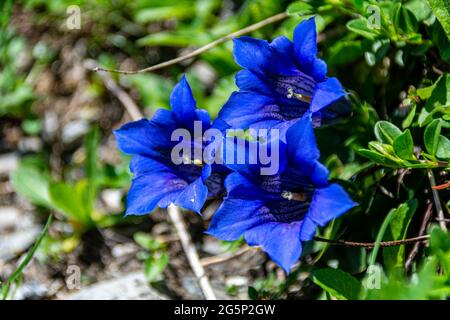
(15, 243)
(132, 286)
(8, 163)
(74, 130)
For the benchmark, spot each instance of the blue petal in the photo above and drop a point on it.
(283, 45)
(329, 203)
(244, 156)
(302, 147)
(146, 137)
(307, 229)
(258, 56)
(131, 137)
(148, 190)
(248, 81)
(305, 50)
(183, 103)
(280, 241)
(203, 116)
(246, 108)
(326, 93)
(240, 187)
(193, 197)
(235, 216)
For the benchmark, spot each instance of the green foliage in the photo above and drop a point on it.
(337, 283)
(155, 256)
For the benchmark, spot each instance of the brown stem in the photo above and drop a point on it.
(437, 200)
(203, 49)
(423, 227)
(371, 244)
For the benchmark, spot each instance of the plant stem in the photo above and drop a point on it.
(203, 49)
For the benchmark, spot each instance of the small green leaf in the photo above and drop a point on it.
(404, 146)
(410, 117)
(147, 242)
(360, 26)
(299, 8)
(397, 230)
(338, 283)
(155, 265)
(386, 132)
(431, 136)
(33, 185)
(441, 9)
(443, 148)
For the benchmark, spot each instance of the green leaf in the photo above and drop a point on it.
(71, 201)
(386, 132)
(33, 185)
(404, 146)
(360, 26)
(338, 283)
(437, 99)
(431, 136)
(441, 9)
(410, 117)
(443, 148)
(299, 8)
(147, 242)
(155, 265)
(397, 230)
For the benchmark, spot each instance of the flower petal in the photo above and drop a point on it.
(329, 203)
(146, 137)
(280, 241)
(193, 197)
(148, 190)
(183, 103)
(235, 216)
(246, 80)
(326, 93)
(246, 108)
(305, 50)
(259, 57)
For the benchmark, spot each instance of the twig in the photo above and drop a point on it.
(173, 211)
(423, 227)
(225, 257)
(203, 49)
(111, 85)
(370, 244)
(191, 252)
(437, 200)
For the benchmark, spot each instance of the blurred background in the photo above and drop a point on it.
(58, 155)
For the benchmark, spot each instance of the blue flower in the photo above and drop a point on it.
(278, 212)
(281, 81)
(158, 181)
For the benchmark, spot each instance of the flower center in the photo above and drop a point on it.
(288, 195)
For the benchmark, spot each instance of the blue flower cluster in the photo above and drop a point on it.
(283, 86)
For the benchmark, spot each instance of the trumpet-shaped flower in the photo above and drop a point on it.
(281, 81)
(158, 181)
(278, 212)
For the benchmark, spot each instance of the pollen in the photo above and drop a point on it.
(293, 196)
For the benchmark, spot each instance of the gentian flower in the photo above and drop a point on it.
(158, 181)
(278, 212)
(281, 81)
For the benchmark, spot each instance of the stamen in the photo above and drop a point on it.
(291, 94)
(293, 196)
(197, 162)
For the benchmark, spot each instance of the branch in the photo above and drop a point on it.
(191, 252)
(111, 85)
(203, 49)
(437, 200)
(423, 227)
(370, 244)
(225, 257)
